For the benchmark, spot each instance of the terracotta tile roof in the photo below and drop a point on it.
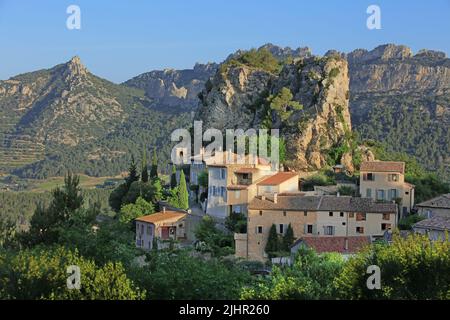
(443, 201)
(223, 159)
(324, 244)
(322, 203)
(246, 170)
(383, 166)
(162, 216)
(277, 178)
(237, 187)
(436, 223)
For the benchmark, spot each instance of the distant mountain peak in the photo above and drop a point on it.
(75, 71)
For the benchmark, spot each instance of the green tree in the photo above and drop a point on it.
(154, 168)
(131, 211)
(182, 276)
(144, 168)
(283, 104)
(132, 173)
(183, 196)
(41, 274)
(411, 268)
(203, 179)
(173, 178)
(310, 276)
(46, 223)
(236, 222)
(217, 242)
(288, 239)
(116, 196)
(273, 243)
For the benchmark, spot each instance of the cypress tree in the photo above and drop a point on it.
(173, 177)
(272, 241)
(132, 173)
(144, 169)
(288, 239)
(183, 196)
(154, 167)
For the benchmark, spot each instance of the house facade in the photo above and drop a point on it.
(328, 216)
(385, 181)
(232, 184)
(165, 225)
(439, 206)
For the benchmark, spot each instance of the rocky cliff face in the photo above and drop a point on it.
(171, 87)
(237, 97)
(395, 68)
(403, 99)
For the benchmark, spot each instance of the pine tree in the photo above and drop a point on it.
(183, 196)
(132, 173)
(173, 177)
(144, 168)
(154, 168)
(288, 239)
(272, 242)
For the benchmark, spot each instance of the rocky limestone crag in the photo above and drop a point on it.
(175, 88)
(236, 95)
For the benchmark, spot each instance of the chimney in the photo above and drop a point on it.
(346, 244)
(275, 197)
(263, 198)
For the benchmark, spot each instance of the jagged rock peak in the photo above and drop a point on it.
(76, 67)
(383, 52)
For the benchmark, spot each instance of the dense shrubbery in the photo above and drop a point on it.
(256, 58)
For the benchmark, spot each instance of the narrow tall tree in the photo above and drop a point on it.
(272, 242)
(154, 167)
(183, 196)
(132, 173)
(173, 177)
(288, 239)
(144, 168)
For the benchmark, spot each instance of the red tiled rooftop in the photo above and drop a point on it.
(324, 244)
(161, 216)
(383, 166)
(277, 179)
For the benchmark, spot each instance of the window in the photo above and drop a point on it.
(385, 226)
(260, 212)
(360, 230)
(237, 194)
(281, 228)
(360, 216)
(392, 194)
(341, 214)
(245, 176)
(237, 209)
(393, 177)
(380, 195)
(329, 230)
(368, 177)
(368, 193)
(330, 214)
(149, 230)
(305, 213)
(284, 213)
(343, 223)
(386, 216)
(309, 228)
(351, 215)
(259, 229)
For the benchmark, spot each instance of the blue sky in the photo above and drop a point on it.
(120, 39)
